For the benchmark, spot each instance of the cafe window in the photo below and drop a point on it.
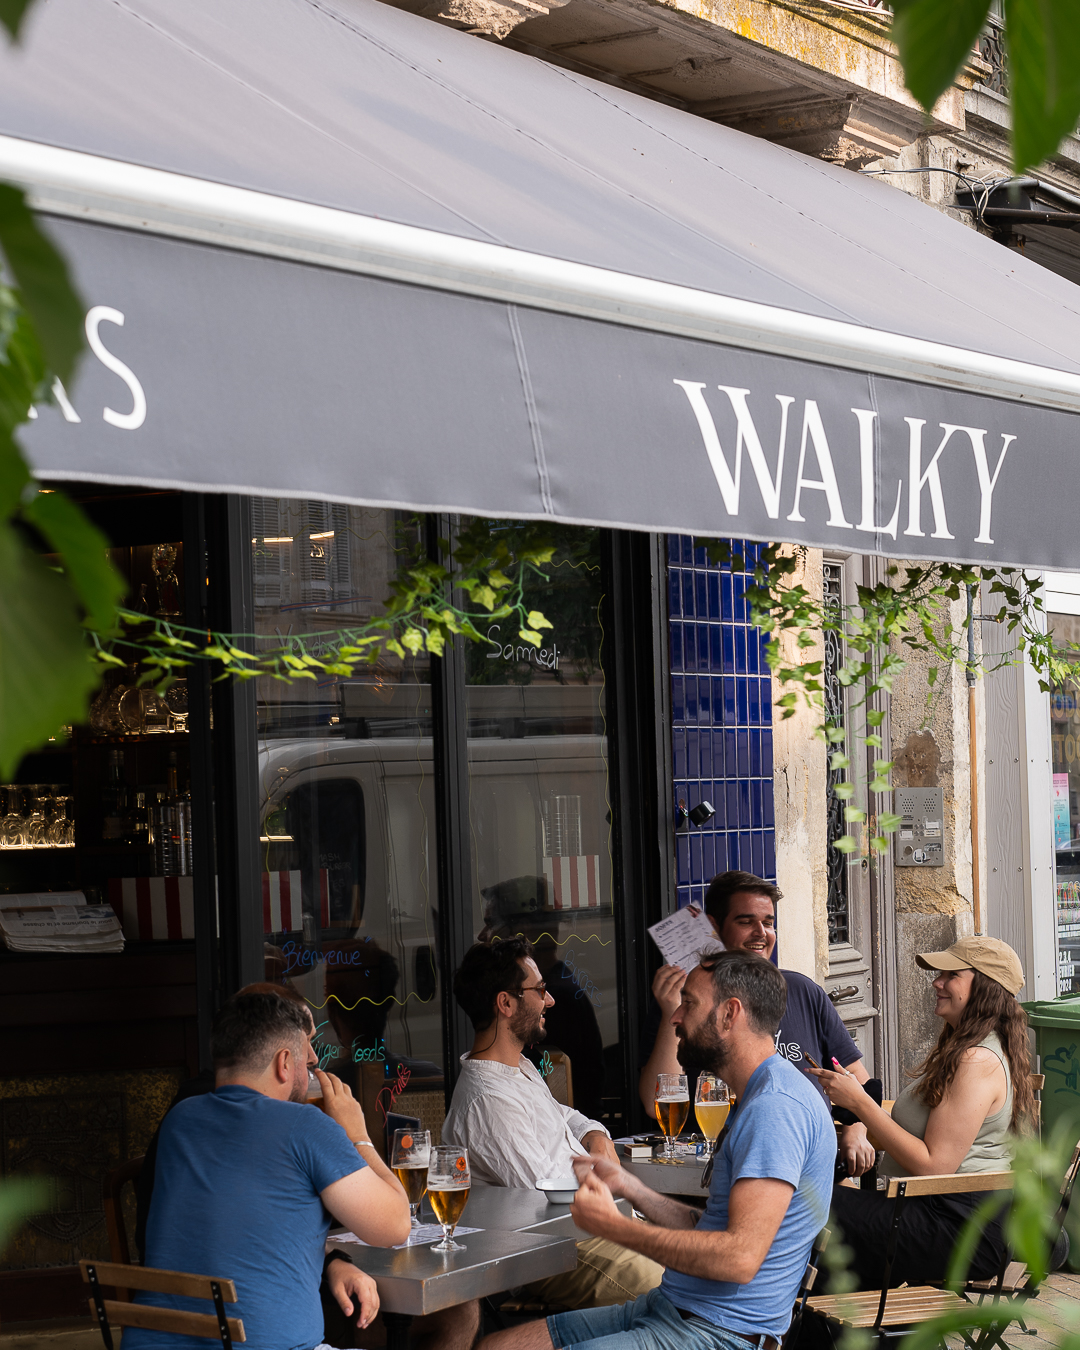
(346, 806)
(1065, 746)
(539, 814)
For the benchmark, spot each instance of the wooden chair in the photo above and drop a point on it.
(111, 1312)
(891, 1313)
(112, 1186)
(560, 1080)
(806, 1288)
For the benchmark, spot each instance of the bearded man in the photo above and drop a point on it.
(515, 1130)
(732, 1272)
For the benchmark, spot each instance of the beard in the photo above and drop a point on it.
(528, 1027)
(704, 1052)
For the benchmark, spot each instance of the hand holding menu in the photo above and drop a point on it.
(683, 936)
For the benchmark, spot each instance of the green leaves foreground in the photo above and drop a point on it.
(46, 669)
(1042, 40)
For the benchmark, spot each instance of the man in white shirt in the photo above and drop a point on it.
(515, 1130)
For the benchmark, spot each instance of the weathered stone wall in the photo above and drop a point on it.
(933, 904)
(799, 767)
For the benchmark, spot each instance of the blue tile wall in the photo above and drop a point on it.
(721, 720)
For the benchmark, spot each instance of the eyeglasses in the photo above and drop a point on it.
(540, 988)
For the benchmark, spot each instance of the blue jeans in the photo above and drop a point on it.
(651, 1322)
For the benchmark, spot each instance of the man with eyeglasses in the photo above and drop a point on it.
(515, 1130)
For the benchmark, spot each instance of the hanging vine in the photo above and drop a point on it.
(912, 611)
(420, 614)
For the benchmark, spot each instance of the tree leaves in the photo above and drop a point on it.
(45, 289)
(12, 13)
(1042, 37)
(934, 38)
(19, 1198)
(46, 675)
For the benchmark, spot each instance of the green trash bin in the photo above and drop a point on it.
(1056, 1023)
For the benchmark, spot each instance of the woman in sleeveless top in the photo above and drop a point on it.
(970, 1095)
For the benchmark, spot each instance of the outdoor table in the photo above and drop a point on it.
(524, 1238)
(682, 1177)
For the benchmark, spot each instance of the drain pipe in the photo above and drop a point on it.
(976, 879)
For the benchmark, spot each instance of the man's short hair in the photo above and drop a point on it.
(755, 982)
(250, 1028)
(488, 970)
(727, 884)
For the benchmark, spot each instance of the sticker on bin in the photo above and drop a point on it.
(282, 895)
(574, 882)
(154, 909)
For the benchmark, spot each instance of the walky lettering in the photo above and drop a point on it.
(924, 478)
(548, 659)
(126, 421)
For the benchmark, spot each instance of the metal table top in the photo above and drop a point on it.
(524, 1238)
(417, 1280)
(679, 1178)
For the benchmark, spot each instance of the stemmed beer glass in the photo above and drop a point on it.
(448, 1183)
(409, 1158)
(712, 1104)
(672, 1107)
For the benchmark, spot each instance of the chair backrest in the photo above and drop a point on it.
(112, 1186)
(806, 1288)
(110, 1312)
(952, 1183)
(560, 1080)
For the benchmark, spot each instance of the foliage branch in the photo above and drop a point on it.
(421, 614)
(914, 610)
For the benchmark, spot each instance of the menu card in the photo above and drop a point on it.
(684, 937)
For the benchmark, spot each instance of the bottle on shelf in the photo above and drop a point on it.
(138, 831)
(172, 827)
(114, 799)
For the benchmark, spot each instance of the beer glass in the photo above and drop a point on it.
(314, 1095)
(448, 1183)
(672, 1108)
(409, 1159)
(712, 1104)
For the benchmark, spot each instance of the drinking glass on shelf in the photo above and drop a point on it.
(448, 1183)
(672, 1107)
(36, 826)
(712, 1105)
(409, 1158)
(11, 819)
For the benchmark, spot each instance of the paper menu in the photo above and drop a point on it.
(683, 936)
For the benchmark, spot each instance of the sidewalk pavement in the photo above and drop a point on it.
(1058, 1305)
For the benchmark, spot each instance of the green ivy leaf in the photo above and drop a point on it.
(845, 844)
(46, 673)
(1042, 38)
(888, 822)
(41, 274)
(536, 620)
(84, 552)
(528, 635)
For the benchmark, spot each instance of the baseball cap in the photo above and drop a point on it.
(990, 956)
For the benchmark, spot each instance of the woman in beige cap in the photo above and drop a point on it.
(971, 1094)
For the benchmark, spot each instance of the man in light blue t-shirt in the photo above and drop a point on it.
(732, 1272)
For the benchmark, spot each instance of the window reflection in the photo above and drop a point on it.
(347, 804)
(539, 810)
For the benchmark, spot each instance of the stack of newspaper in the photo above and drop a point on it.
(58, 921)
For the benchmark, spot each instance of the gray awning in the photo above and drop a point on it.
(333, 250)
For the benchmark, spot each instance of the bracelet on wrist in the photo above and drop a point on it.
(363, 1143)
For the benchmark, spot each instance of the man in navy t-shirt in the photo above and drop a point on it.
(733, 1272)
(245, 1176)
(742, 909)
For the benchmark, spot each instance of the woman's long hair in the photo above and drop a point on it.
(990, 1008)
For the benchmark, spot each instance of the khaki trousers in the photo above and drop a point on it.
(605, 1274)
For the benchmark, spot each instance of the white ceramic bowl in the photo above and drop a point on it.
(559, 1190)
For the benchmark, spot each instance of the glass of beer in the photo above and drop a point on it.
(409, 1159)
(712, 1105)
(314, 1091)
(448, 1182)
(672, 1108)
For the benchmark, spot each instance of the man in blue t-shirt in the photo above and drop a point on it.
(742, 909)
(732, 1272)
(245, 1176)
